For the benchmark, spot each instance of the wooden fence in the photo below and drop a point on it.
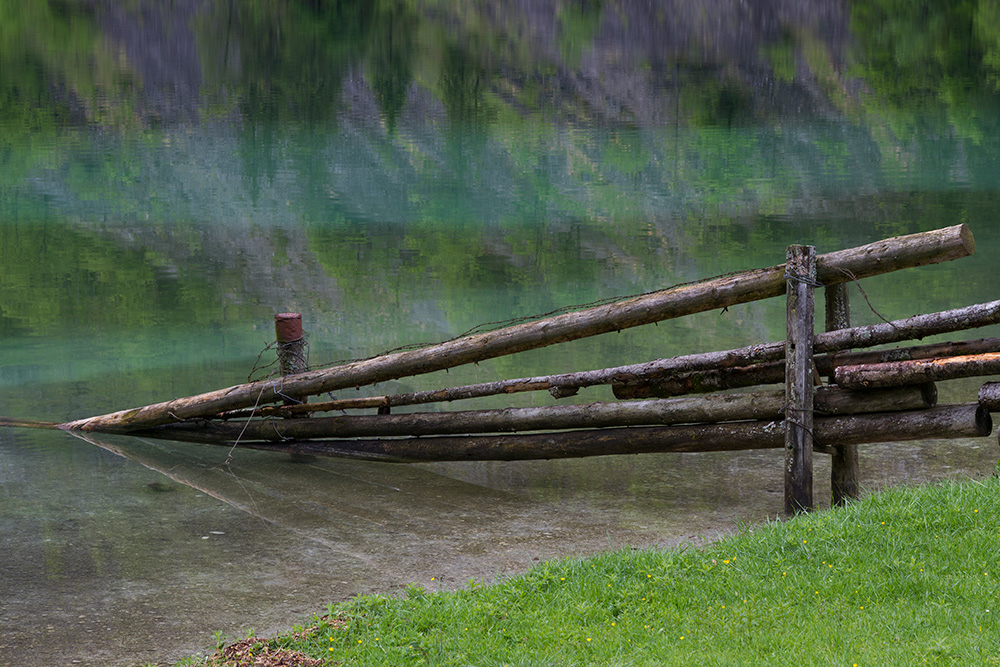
(881, 396)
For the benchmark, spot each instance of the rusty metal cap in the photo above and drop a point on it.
(287, 327)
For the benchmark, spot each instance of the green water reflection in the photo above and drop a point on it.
(172, 174)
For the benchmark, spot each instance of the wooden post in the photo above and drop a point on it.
(800, 277)
(291, 343)
(844, 472)
(291, 359)
(291, 351)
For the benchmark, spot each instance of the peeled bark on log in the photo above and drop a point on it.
(725, 407)
(720, 379)
(897, 373)
(827, 363)
(989, 396)
(953, 421)
(836, 267)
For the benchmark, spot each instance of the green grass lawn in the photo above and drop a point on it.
(907, 576)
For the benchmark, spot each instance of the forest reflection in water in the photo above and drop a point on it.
(173, 173)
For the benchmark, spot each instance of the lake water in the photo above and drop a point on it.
(173, 174)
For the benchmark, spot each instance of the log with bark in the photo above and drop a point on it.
(989, 396)
(896, 373)
(953, 421)
(720, 379)
(716, 408)
(836, 267)
(754, 356)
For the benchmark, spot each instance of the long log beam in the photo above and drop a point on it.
(754, 356)
(717, 408)
(895, 373)
(955, 421)
(832, 268)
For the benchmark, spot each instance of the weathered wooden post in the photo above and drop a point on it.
(800, 277)
(844, 471)
(291, 359)
(291, 348)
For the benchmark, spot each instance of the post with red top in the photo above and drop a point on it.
(291, 344)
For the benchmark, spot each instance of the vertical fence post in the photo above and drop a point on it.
(844, 472)
(291, 346)
(800, 276)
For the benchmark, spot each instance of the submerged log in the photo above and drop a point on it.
(725, 407)
(897, 373)
(953, 421)
(836, 267)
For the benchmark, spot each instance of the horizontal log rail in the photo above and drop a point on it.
(715, 408)
(832, 268)
(884, 333)
(720, 379)
(917, 371)
(953, 421)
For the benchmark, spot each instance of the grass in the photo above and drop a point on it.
(907, 576)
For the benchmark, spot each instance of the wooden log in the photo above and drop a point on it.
(700, 382)
(737, 377)
(895, 373)
(918, 326)
(989, 396)
(844, 466)
(953, 421)
(798, 422)
(724, 407)
(873, 259)
(948, 321)
(832, 400)
(827, 363)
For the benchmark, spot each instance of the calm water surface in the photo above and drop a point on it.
(172, 174)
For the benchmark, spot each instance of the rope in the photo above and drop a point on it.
(864, 294)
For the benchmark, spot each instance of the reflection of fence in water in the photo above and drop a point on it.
(842, 417)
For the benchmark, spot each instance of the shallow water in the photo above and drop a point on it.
(401, 175)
